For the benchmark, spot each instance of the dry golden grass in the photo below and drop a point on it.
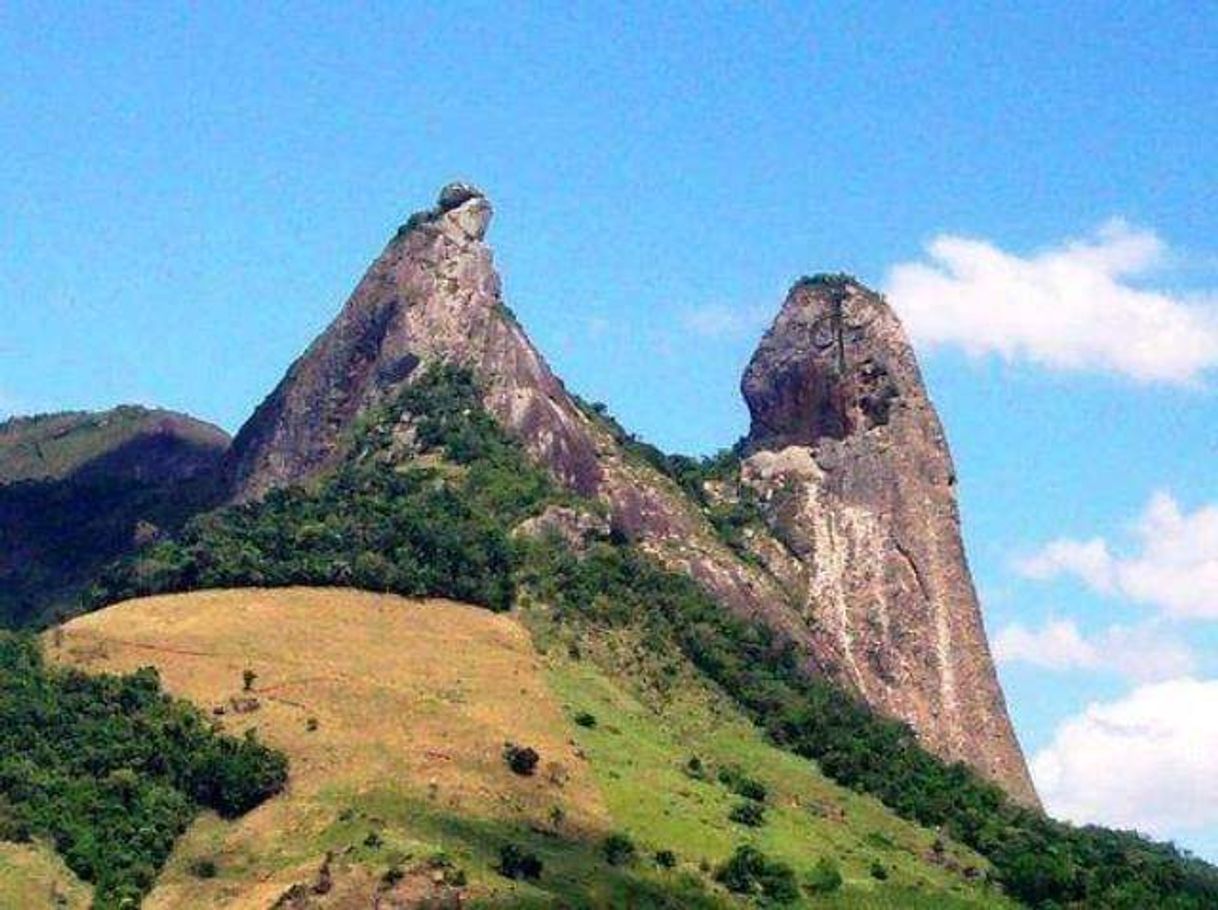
(417, 696)
(32, 877)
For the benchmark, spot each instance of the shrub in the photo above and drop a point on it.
(695, 769)
(825, 877)
(248, 678)
(517, 863)
(748, 813)
(203, 868)
(666, 859)
(879, 871)
(584, 719)
(521, 759)
(741, 784)
(749, 871)
(111, 770)
(619, 850)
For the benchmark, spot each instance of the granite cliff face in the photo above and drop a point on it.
(849, 458)
(859, 564)
(433, 295)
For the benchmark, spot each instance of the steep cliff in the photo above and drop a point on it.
(433, 295)
(850, 461)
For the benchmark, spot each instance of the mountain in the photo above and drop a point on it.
(851, 462)
(79, 489)
(852, 552)
(723, 678)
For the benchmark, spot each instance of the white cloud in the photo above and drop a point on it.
(1057, 646)
(1089, 560)
(1147, 761)
(1143, 652)
(1071, 307)
(1173, 567)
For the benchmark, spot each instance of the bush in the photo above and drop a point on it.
(748, 813)
(521, 759)
(741, 784)
(203, 868)
(825, 877)
(518, 864)
(666, 859)
(695, 769)
(619, 850)
(879, 871)
(584, 719)
(749, 871)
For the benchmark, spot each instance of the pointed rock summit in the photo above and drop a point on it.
(433, 294)
(850, 459)
(859, 565)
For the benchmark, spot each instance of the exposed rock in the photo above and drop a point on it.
(851, 460)
(433, 295)
(575, 526)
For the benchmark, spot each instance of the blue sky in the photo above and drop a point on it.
(188, 193)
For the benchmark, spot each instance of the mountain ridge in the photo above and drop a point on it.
(434, 295)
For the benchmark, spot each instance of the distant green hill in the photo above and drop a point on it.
(78, 489)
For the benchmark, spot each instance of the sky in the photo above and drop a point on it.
(188, 192)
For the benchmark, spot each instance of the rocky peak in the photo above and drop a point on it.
(850, 462)
(860, 569)
(433, 295)
(462, 212)
(833, 364)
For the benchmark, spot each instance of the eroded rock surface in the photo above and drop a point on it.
(433, 295)
(851, 464)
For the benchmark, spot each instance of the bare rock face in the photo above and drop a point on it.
(433, 295)
(575, 527)
(851, 463)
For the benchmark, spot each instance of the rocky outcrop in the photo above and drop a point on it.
(851, 464)
(433, 295)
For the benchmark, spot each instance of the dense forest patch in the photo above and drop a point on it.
(110, 770)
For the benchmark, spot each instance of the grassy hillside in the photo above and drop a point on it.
(394, 714)
(32, 877)
(53, 446)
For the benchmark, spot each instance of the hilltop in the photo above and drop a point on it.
(78, 490)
